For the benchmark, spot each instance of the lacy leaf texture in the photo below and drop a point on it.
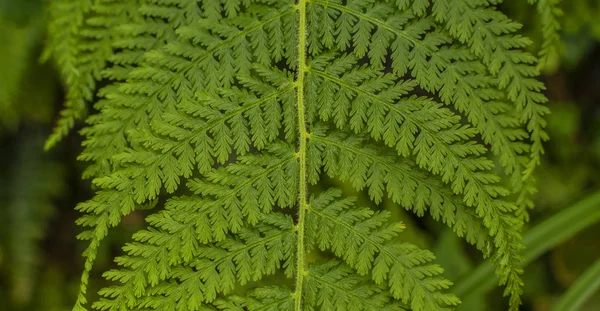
(230, 116)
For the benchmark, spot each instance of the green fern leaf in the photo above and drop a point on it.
(241, 107)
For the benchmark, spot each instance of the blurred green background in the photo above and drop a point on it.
(40, 259)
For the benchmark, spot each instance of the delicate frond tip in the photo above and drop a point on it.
(231, 112)
(549, 12)
(80, 36)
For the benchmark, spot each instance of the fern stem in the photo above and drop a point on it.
(303, 193)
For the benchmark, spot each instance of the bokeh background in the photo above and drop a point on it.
(40, 259)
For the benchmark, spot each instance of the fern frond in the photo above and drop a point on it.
(80, 46)
(250, 102)
(549, 11)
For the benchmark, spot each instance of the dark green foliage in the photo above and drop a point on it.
(27, 188)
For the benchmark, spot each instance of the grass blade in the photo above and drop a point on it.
(585, 286)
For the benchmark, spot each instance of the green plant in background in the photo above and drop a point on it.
(26, 214)
(29, 179)
(549, 12)
(20, 32)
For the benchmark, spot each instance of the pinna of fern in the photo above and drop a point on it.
(248, 104)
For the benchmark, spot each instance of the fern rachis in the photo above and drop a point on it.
(241, 107)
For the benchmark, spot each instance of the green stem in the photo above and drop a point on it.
(585, 286)
(537, 241)
(303, 193)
